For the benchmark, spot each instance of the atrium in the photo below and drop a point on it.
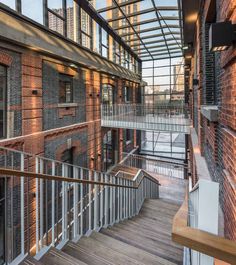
(117, 132)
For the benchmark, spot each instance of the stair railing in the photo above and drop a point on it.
(195, 226)
(50, 202)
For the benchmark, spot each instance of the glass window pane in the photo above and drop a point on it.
(33, 9)
(85, 22)
(65, 89)
(71, 8)
(96, 37)
(56, 6)
(104, 52)
(86, 41)
(104, 38)
(55, 23)
(10, 3)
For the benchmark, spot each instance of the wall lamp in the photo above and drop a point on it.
(221, 36)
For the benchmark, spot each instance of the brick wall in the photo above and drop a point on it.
(54, 115)
(217, 85)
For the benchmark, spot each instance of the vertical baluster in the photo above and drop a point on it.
(106, 202)
(114, 200)
(101, 201)
(118, 201)
(37, 205)
(95, 202)
(64, 203)
(127, 199)
(111, 202)
(75, 202)
(90, 202)
(41, 204)
(53, 204)
(22, 206)
(129, 190)
(81, 204)
(121, 199)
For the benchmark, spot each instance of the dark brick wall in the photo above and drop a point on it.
(55, 146)
(12, 61)
(52, 114)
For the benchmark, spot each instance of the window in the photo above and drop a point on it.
(107, 94)
(56, 16)
(3, 99)
(33, 9)
(104, 43)
(10, 3)
(116, 52)
(65, 89)
(86, 30)
(128, 135)
(127, 94)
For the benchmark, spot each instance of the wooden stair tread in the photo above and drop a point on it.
(108, 254)
(158, 234)
(54, 256)
(85, 254)
(133, 252)
(148, 244)
(150, 231)
(30, 261)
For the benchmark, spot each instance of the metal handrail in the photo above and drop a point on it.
(19, 173)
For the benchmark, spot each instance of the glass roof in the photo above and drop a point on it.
(152, 28)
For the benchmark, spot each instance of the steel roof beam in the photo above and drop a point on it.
(156, 42)
(149, 29)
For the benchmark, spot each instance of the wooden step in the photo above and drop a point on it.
(150, 245)
(86, 254)
(57, 257)
(128, 250)
(150, 231)
(105, 254)
(30, 261)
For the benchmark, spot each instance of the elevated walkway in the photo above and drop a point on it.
(142, 117)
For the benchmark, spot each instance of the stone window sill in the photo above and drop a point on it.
(210, 112)
(67, 105)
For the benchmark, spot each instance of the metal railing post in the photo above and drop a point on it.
(22, 206)
(75, 203)
(101, 201)
(53, 204)
(111, 202)
(37, 205)
(81, 205)
(95, 224)
(90, 201)
(41, 203)
(106, 202)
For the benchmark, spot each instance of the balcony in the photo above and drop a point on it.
(167, 118)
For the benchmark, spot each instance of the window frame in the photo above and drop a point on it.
(4, 103)
(70, 80)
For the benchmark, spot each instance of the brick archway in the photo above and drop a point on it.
(5, 58)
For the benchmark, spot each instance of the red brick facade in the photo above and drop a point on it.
(218, 138)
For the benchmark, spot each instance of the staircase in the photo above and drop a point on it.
(144, 239)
